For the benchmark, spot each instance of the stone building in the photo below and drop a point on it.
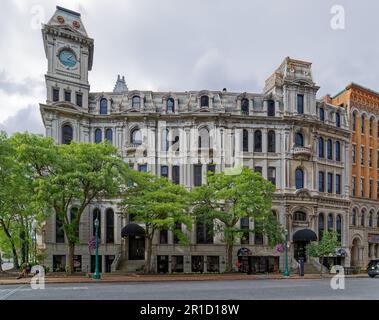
(298, 143)
(362, 105)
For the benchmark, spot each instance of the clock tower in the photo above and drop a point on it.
(69, 52)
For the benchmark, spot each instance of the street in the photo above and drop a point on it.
(355, 289)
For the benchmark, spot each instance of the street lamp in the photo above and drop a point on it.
(286, 271)
(97, 275)
(34, 227)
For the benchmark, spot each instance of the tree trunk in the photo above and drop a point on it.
(1, 264)
(229, 255)
(148, 244)
(14, 251)
(70, 261)
(322, 265)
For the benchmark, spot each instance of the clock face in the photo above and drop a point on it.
(67, 58)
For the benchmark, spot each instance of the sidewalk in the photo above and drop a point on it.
(131, 278)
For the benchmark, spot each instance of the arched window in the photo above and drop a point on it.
(98, 136)
(67, 134)
(136, 136)
(109, 219)
(363, 217)
(338, 120)
(299, 140)
(103, 106)
(321, 225)
(257, 141)
(322, 114)
(299, 179)
(204, 102)
(329, 149)
(204, 232)
(176, 144)
(371, 128)
(165, 141)
(271, 108)
(170, 105)
(363, 119)
(339, 227)
(136, 102)
(371, 219)
(109, 135)
(330, 222)
(338, 151)
(300, 216)
(354, 217)
(204, 139)
(271, 143)
(321, 152)
(354, 121)
(245, 106)
(96, 214)
(245, 140)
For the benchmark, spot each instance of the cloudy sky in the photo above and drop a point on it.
(188, 45)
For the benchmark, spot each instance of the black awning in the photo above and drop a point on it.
(132, 229)
(304, 235)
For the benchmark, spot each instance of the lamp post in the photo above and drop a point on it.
(97, 275)
(34, 227)
(286, 271)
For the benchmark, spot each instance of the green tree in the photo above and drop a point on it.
(227, 198)
(326, 247)
(82, 173)
(157, 203)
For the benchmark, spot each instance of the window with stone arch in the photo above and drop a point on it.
(271, 108)
(330, 222)
(103, 106)
(377, 220)
(98, 136)
(109, 135)
(371, 126)
(67, 134)
(321, 149)
(300, 216)
(299, 177)
(329, 149)
(363, 217)
(338, 151)
(136, 136)
(245, 106)
(299, 140)
(271, 141)
(339, 228)
(258, 141)
(363, 120)
(170, 105)
(204, 138)
(204, 102)
(354, 121)
(338, 120)
(245, 140)
(354, 217)
(321, 225)
(371, 219)
(136, 102)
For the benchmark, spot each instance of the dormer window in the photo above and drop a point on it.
(271, 108)
(204, 102)
(338, 120)
(322, 114)
(136, 102)
(245, 106)
(103, 106)
(170, 105)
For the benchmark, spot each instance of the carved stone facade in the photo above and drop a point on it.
(182, 135)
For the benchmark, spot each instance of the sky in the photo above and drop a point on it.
(182, 45)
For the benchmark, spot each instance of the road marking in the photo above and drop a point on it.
(4, 297)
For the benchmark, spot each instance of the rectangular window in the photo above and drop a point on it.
(271, 173)
(330, 182)
(338, 183)
(371, 190)
(377, 192)
(59, 232)
(79, 99)
(245, 227)
(321, 181)
(198, 181)
(258, 235)
(354, 186)
(177, 264)
(300, 103)
(77, 263)
(362, 155)
(59, 263)
(67, 96)
(55, 95)
(197, 264)
(163, 237)
(370, 158)
(176, 174)
(258, 169)
(142, 167)
(213, 264)
(164, 171)
(354, 153)
(362, 187)
(93, 263)
(377, 165)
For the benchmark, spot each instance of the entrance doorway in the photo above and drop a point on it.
(136, 247)
(300, 250)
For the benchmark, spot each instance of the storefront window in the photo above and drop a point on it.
(177, 264)
(213, 264)
(197, 263)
